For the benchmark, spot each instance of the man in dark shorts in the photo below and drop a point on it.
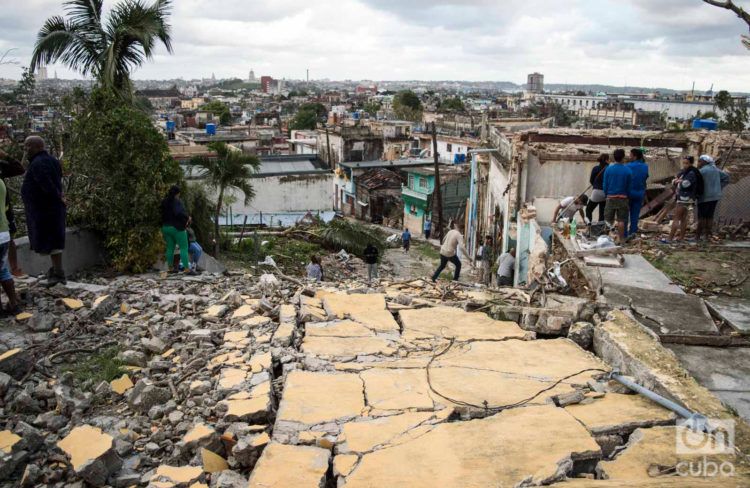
(714, 181)
(616, 185)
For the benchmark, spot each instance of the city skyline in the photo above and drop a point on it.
(669, 45)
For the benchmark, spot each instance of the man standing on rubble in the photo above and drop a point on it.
(637, 190)
(616, 188)
(452, 245)
(484, 256)
(371, 259)
(42, 195)
(714, 181)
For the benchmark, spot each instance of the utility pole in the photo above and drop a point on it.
(328, 150)
(437, 201)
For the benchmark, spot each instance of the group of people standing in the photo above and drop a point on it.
(45, 209)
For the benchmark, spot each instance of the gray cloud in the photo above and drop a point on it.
(649, 42)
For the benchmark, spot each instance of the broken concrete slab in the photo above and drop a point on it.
(91, 453)
(734, 311)
(615, 413)
(337, 347)
(314, 398)
(507, 372)
(533, 445)
(729, 375)
(397, 389)
(451, 322)
(649, 450)
(664, 312)
(283, 466)
(365, 435)
(634, 350)
(367, 309)
(638, 273)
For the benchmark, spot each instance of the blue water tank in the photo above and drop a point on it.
(355, 115)
(459, 158)
(709, 124)
(211, 129)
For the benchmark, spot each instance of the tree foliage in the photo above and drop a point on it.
(219, 109)
(453, 104)
(229, 170)
(308, 116)
(108, 49)
(735, 116)
(372, 108)
(353, 237)
(407, 105)
(121, 170)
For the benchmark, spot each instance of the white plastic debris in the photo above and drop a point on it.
(343, 256)
(268, 262)
(268, 284)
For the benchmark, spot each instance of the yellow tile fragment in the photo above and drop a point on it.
(261, 440)
(99, 300)
(177, 475)
(85, 443)
(121, 385)
(9, 353)
(235, 335)
(243, 312)
(344, 463)
(212, 462)
(23, 316)
(7, 440)
(73, 303)
(198, 485)
(198, 432)
(167, 353)
(125, 308)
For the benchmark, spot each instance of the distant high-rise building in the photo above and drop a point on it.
(41, 73)
(535, 83)
(251, 77)
(265, 83)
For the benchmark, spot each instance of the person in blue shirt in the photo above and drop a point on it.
(427, 227)
(714, 181)
(406, 240)
(616, 187)
(637, 191)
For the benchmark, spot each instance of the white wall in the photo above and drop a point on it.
(275, 194)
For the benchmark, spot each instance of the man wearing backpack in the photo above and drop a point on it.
(688, 187)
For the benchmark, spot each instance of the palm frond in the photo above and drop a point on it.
(61, 40)
(350, 236)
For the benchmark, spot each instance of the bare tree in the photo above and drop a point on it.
(741, 13)
(5, 59)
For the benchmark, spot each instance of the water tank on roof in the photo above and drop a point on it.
(211, 129)
(708, 124)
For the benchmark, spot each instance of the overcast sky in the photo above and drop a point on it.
(654, 43)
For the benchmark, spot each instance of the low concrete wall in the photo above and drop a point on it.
(83, 250)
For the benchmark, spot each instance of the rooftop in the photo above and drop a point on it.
(398, 163)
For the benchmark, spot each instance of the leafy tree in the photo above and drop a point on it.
(372, 108)
(739, 11)
(23, 94)
(121, 170)
(109, 49)
(218, 109)
(736, 116)
(453, 104)
(229, 170)
(407, 105)
(308, 116)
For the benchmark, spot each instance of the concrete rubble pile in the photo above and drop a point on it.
(236, 381)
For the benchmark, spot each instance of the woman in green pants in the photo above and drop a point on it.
(174, 221)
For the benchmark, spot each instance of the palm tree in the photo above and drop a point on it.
(108, 49)
(229, 170)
